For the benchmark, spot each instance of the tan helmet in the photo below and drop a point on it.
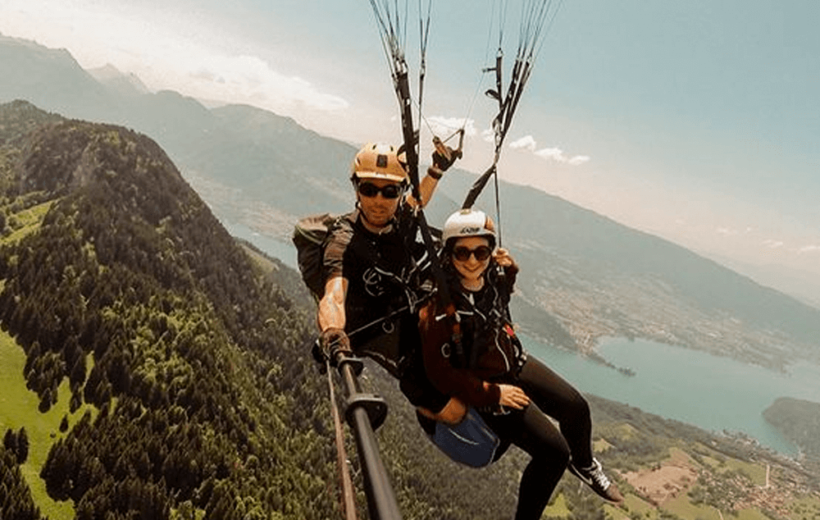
(379, 161)
(468, 223)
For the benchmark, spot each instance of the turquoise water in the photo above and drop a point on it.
(284, 251)
(711, 392)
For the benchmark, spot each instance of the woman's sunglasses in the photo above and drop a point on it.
(391, 191)
(481, 253)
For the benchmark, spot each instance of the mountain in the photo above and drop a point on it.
(117, 278)
(584, 277)
(799, 420)
(233, 151)
(124, 84)
(50, 78)
(605, 279)
(796, 282)
(176, 359)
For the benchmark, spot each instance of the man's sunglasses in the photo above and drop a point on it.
(391, 191)
(481, 253)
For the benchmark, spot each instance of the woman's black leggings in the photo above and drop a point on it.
(532, 431)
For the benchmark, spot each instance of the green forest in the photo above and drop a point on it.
(178, 361)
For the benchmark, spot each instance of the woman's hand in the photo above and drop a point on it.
(513, 397)
(503, 258)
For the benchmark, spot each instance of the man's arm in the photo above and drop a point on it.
(443, 158)
(331, 312)
(427, 187)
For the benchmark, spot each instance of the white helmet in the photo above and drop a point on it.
(468, 223)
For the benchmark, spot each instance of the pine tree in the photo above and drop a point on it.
(77, 375)
(32, 355)
(22, 446)
(10, 441)
(46, 400)
(76, 400)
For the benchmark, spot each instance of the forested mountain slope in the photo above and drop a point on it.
(130, 288)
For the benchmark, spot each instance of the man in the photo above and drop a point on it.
(374, 266)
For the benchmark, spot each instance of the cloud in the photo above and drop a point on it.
(526, 142)
(578, 160)
(552, 154)
(809, 249)
(773, 244)
(444, 127)
(726, 231)
(248, 79)
(557, 155)
(173, 52)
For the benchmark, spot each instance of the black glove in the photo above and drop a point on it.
(444, 156)
(334, 341)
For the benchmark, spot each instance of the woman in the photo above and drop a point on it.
(484, 366)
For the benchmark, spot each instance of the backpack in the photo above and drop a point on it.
(309, 236)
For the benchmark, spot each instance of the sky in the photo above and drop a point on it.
(695, 120)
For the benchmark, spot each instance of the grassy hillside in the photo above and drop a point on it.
(19, 409)
(120, 290)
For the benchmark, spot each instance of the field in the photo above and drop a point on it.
(18, 409)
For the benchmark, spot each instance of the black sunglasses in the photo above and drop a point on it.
(481, 253)
(391, 191)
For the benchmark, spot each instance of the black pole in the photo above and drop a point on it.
(364, 414)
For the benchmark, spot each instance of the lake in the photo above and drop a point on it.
(710, 392)
(284, 251)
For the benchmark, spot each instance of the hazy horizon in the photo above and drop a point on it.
(693, 122)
